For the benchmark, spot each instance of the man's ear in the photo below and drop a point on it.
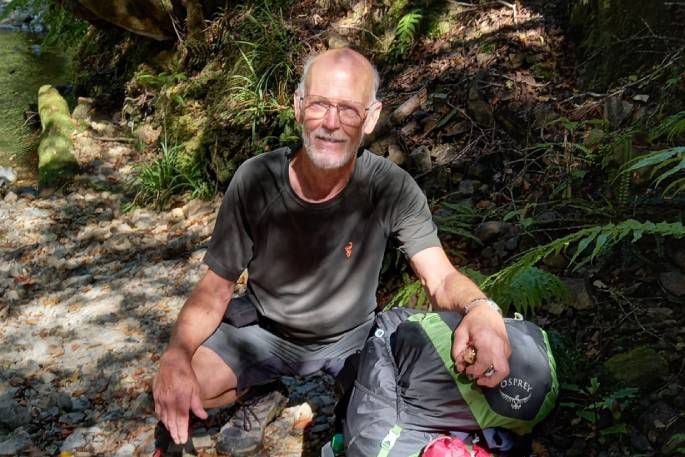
(372, 118)
(297, 105)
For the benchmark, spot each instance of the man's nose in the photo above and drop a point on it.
(331, 120)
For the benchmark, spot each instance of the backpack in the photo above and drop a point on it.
(407, 392)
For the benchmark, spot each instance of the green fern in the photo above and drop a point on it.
(586, 245)
(405, 31)
(410, 294)
(457, 219)
(671, 127)
(668, 163)
(526, 290)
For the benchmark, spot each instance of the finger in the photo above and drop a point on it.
(461, 340)
(196, 407)
(182, 422)
(501, 365)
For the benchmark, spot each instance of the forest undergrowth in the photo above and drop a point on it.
(563, 201)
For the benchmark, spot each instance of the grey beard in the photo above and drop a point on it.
(325, 162)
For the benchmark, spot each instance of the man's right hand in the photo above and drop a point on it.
(176, 392)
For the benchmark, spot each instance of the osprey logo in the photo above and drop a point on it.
(515, 401)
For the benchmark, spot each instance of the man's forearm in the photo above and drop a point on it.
(455, 292)
(200, 315)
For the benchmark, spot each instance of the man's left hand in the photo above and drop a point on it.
(483, 329)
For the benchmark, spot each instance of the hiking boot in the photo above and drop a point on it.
(243, 434)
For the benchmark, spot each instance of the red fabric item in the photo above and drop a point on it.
(449, 446)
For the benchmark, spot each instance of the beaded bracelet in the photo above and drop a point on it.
(476, 301)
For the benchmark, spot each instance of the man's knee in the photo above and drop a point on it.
(215, 377)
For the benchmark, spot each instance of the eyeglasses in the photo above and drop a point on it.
(351, 114)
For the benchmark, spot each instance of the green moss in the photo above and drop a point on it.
(56, 161)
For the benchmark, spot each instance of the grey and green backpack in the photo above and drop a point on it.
(407, 391)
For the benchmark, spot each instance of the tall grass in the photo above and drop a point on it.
(168, 175)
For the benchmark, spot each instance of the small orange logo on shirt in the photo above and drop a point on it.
(348, 250)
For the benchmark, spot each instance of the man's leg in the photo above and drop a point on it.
(218, 382)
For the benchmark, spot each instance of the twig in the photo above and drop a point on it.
(116, 139)
(519, 80)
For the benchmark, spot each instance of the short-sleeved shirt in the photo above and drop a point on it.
(313, 268)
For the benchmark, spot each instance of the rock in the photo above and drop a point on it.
(558, 261)
(147, 134)
(491, 230)
(11, 198)
(7, 176)
(580, 296)
(126, 450)
(445, 154)
(673, 282)
(396, 155)
(176, 215)
(202, 441)
(143, 219)
(677, 256)
(594, 137)
(15, 443)
(466, 187)
(616, 110)
(13, 415)
(80, 404)
(197, 208)
(72, 418)
(420, 159)
(479, 109)
(641, 367)
(83, 109)
(75, 441)
(336, 41)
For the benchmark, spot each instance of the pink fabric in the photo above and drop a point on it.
(448, 446)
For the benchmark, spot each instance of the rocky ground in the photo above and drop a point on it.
(89, 296)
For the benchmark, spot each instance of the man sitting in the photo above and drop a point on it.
(311, 224)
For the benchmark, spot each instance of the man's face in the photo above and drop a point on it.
(331, 141)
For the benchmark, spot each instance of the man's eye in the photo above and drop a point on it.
(347, 109)
(320, 105)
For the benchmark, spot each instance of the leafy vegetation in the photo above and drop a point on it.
(157, 181)
(585, 246)
(591, 405)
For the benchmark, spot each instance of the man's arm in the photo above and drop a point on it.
(175, 388)
(482, 327)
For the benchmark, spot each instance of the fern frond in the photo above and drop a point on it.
(587, 245)
(457, 219)
(672, 159)
(671, 127)
(527, 289)
(411, 294)
(405, 31)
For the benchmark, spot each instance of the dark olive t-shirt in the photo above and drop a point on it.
(313, 267)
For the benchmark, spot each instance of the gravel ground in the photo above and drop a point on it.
(89, 297)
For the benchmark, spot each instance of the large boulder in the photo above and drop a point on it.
(151, 18)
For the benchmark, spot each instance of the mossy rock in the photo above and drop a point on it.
(56, 161)
(641, 367)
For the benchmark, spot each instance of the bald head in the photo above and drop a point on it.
(338, 58)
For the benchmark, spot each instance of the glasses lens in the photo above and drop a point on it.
(350, 113)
